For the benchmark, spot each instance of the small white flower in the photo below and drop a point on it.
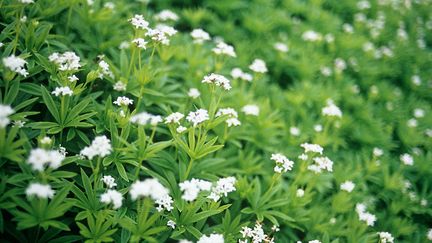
(321, 163)
(63, 91)
(104, 69)
(39, 190)
(281, 47)
(282, 163)
(252, 110)
(314, 148)
(139, 22)
(416, 80)
(109, 181)
(109, 5)
(100, 146)
(73, 78)
(38, 158)
(419, 113)
(237, 73)
(230, 112)
(347, 186)
(5, 112)
(171, 224)
(295, 131)
(212, 238)
(194, 93)
(26, 1)
(233, 122)
(377, 152)
(318, 128)
(140, 43)
(181, 129)
(429, 234)
(326, 71)
(166, 15)
(119, 86)
(199, 36)
(123, 101)
(303, 157)
(407, 159)
(18, 123)
(331, 109)
(218, 80)
(311, 36)
(192, 188)
(222, 188)
(148, 188)
(112, 196)
(145, 118)
(258, 66)
(224, 49)
(412, 122)
(174, 118)
(300, 192)
(197, 117)
(385, 237)
(16, 64)
(365, 216)
(68, 61)
(164, 202)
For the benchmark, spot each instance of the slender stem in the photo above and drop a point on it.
(189, 168)
(18, 29)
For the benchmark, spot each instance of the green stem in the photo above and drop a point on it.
(189, 168)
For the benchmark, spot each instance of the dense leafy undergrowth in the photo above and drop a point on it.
(215, 121)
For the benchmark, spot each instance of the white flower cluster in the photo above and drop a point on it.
(119, 86)
(222, 188)
(171, 224)
(347, 186)
(212, 238)
(282, 163)
(223, 48)
(174, 118)
(256, 234)
(193, 187)
(100, 146)
(104, 70)
(365, 216)
(321, 163)
(155, 190)
(194, 93)
(38, 158)
(217, 79)
(258, 66)
(161, 33)
(166, 15)
(123, 101)
(385, 237)
(68, 61)
(73, 78)
(140, 43)
(5, 112)
(312, 36)
(331, 109)
(429, 234)
(63, 91)
(39, 190)
(16, 64)
(109, 181)
(312, 148)
(231, 114)
(199, 36)
(26, 1)
(251, 110)
(112, 196)
(198, 117)
(237, 73)
(139, 22)
(407, 159)
(282, 47)
(145, 118)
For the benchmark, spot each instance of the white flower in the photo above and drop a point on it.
(165, 15)
(192, 187)
(194, 93)
(109, 181)
(212, 238)
(139, 22)
(419, 113)
(164, 202)
(38, 158)
(377, 152)
(363, 5)
(314, 241)
(385, 237)
(18, 123)
(365, 216)
(282, 163)
(5, 112)
(181, 129)
(303, 157)
(171, 224)
(145, 118)
(124, 45)
(148, 188)
(174, 118)
(407, 159)
(100, 146)
(252, 110)
(161, 35)
(318, 128)
(222, 188)
(331, 109)
(416, 80)
(281, 47)
(429, 234)
(312, 36)
(199, 36)
(63, 91)
(340, 64)
(258, 66)
(329, 38)
(223, 48)
(67, 61)
(109, 5)
(73, 78)
(104, 70)
(112, 196)
(412, 122)
(140, 42)
(26, 1)
(39, 190)
(314, 148)
(197, 117)
(324, 163)
(295, 131)
(123, 101)
(119, 86)
(348, 28)
(300, 192)
(16, 64)
(237, 73)
(185, 241)
(233, 122)
(230, 112)
(217, 79)
(347, 186)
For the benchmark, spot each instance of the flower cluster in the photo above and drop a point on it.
(331, 109)
(112, 196)
(347, 186)
(212, 238)
(364, 215)
(223, 48)
(109, 181)
(193, 187)
(145, 118)
(68, 61)
(251, 110)
(16, 64)
(231, 114)
(321, 163)
(39, 190)
(282, 163)
(385, 237)
(155, 190)
(197, 117)
(100, 146)
(123, 101)
(258, 66)
(63, 91)
(237, 73)
(256, 234)
(222, 188)
(38, 158)
(199, 36)
(5, 112)
(218, 80)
